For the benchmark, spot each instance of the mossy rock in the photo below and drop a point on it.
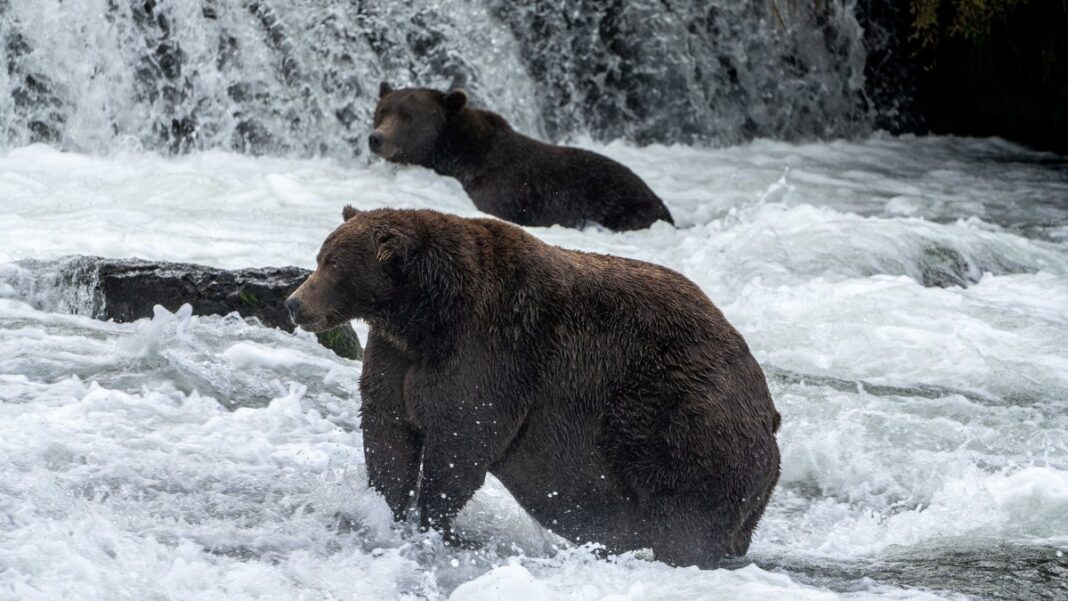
(343, 341)
(126, 290)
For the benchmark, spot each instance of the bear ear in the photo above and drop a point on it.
(384, 88)
(391, 243)
(455, 100)
(348, 213)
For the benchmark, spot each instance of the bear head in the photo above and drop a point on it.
(358, 271)
(408, 122)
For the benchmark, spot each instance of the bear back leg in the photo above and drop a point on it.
(744, 534)
(684, 531)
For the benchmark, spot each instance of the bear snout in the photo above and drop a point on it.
(293, 305)
(375, 141)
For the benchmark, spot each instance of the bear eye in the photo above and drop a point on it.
(405, 116)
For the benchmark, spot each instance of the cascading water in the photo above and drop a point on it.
(682, 71)
(298, 77)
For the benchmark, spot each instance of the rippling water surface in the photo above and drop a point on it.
(908, 298)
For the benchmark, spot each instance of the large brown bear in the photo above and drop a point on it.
(609, 396)
(504, 172)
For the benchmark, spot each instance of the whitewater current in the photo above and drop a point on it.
(907, 298)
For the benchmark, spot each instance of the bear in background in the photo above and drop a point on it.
(505, 173)
(610, 396)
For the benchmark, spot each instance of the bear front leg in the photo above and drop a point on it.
(451, 475)
(391, 446)
(469, 409)
(391, 451)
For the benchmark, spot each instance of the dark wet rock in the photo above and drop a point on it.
(253, 137)
(943, 267)
(1000, 571)
(33, 95)
(127, 289)
(183, 134)
(169, 57)
(1008, 78)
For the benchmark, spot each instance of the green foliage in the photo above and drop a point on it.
(968, 19)
(248, 298)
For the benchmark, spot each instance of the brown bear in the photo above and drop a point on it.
(609, 395)
(505, 173)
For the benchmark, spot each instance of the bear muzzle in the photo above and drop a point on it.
(298, 314)
(375, 141)
(293, 306)
(381, 144)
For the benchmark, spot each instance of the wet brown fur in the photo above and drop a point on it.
(609, 395)
(505, 173)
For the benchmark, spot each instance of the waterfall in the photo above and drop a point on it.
(299, 77)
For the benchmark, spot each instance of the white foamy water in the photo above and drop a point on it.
(908, 298)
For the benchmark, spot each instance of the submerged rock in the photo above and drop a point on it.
(126, 290)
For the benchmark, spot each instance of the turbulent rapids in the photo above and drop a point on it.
(905, 295)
